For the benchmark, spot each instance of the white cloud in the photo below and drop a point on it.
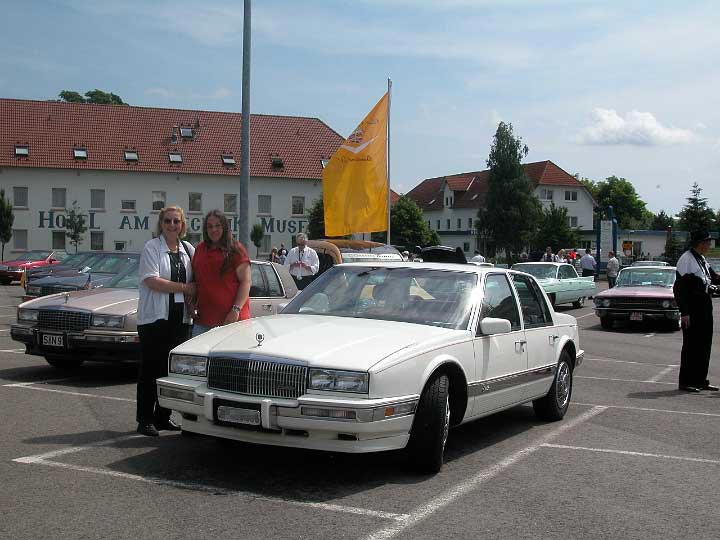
(636, 128)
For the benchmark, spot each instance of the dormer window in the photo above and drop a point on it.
(186, 132)
(228, 159)
(22, 150)
(324, 162)
(80, 153)
(175, 157)
(131, 155)
(276, 162)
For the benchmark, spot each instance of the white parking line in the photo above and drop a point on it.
(622, 380)
(630, 362)
(660, 375)
(629, 453)
(29, 386)
(647, 409)
(4, 329)
(13, 350)
(444, 499)
(45, 459)
(583, 316)
(30, 383)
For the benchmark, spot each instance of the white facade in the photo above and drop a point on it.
(576, 199)
(119, 205)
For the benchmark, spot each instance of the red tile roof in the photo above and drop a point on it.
(471, 188)
(393, 198)
(51, 130)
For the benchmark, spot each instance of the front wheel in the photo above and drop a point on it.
(555, 403)
(580, 302)
(430, 429)
(606, 322)
(63, 362)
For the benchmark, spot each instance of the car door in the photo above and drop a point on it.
(569, 283)
(500, 359)
(258, 292)
(540, 335)
(274, 290)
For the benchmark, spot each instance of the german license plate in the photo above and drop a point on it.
(52, 340)
(636, 316)
(234, 415)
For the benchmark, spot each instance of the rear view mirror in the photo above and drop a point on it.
(491, 325)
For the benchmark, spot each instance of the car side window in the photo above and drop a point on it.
(534, 309)
(257, 286)
(499, 301)
(567, 272)
(273, 282)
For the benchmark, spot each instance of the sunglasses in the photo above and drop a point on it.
(168, 221)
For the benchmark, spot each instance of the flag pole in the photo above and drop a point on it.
(387, 172)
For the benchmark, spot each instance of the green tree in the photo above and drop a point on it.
(673, 249)
(661, 221)
(6, 221)
(553, 229)
(408, 226)
(71, 96)
(256, 235)
(75, 228)
(316, 220)
(91, 96)
(628, 208)
(590, 185)
(696, 214)
(512, 209)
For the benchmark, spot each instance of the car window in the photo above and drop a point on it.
(567, 272)
(499, 301)
(540, 271)
(257, 286)
(273, 282)
(534, 308)
(113, 265)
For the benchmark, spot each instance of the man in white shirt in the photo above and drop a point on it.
(549, 256)
(613, 267)
(588, 264)
(477, 257)
(303, 262)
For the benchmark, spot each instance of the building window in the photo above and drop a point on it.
(128, 205)
(230, 203)
(97, 199)
(19, 238)
(20, 197)
(298, 206)
(58, 239)
(459, 224)
(120, 245)
(131, 155)
(194, 202)
(158, 200)
(228, 159)
(59, 197)
(186, 133)
(546, 194)
(22, 150)
(466, 246)
(448, 224)
(265, 204)
(175, 157)
(266, 244)
(438, 224)
(572, 221)
(80, 153)
(571, 195)
(97, 240)
(276, 162)
(194, 238)
(470, 223)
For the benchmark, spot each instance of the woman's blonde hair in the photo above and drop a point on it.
(161, 216)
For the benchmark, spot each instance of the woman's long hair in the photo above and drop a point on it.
(227, 244)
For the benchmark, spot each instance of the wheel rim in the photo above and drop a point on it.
(446, 423)
(581, 301)
(563, 384)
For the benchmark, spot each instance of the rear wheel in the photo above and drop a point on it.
(431, 426)
(580, 302)
(606, 322)
(555, 404)
(63, 362)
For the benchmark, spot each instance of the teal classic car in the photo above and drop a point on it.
(560, 281)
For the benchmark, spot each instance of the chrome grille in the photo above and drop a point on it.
(630, 302)
(257, 377)
(50, 319)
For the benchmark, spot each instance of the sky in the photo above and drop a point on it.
(600, 88)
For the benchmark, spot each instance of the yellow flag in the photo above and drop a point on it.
(355, 185)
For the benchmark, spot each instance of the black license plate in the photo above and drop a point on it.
(52, 341)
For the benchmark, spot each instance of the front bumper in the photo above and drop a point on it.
(286, 422)
(8, 274)
(579, 357)
(647, 314)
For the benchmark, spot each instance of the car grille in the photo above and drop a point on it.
(630, 302)
(257, 377)
(54, 289)
(51, 319)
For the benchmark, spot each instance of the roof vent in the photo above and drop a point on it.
(228, 159)
(80, 152)
(324, 162)
(474, 197)
(131, 155)
(276, 162)
(433, 201)
(175, 157)
(186, 132)
(173, 136)
(22, 150)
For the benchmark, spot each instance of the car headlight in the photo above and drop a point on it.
(666, 304)
(338, 381)
(34, 289)
(598, 301)
(184, 364)
(29, 315)
(606, 302)
(108, 321)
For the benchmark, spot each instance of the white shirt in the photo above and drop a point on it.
(613, 265)
(587, 262)
(478, 258)
(308, 256)
(688, 264)
(155, 262)
(549, 257)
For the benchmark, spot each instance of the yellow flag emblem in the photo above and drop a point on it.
(355, 185)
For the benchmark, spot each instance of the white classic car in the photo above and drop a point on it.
(561, 282)
(379, 356)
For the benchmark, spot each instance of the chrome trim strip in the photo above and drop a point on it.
(579, 357)
(508, 381)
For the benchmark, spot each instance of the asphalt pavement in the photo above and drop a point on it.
(633, 458)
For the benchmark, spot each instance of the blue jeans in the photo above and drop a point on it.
(198, 329)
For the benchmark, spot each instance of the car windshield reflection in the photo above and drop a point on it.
(645, 277)
(540, 271)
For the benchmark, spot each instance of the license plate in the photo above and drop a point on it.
(52, 340)
(233, 415)
(636, 316)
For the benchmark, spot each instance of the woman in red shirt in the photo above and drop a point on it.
(221, 267)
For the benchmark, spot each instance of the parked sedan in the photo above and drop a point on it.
(12, 269)
(73, 263)
(379, 356)
(560, 281)
(641, 293)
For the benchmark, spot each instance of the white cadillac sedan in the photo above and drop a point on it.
(379, 356)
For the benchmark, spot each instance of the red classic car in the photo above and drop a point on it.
(12, 269)
(641, 293)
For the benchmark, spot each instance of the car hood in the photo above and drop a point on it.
(331, 342)
(110, 301)
(77, 280)
(640, 291)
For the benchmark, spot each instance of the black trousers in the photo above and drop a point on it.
(611, 281)
(587, 272)
(697, 342)
(303, 282)
(156, 340)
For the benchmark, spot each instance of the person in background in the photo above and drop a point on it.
(222, 272)
(165, 281)
(303, 262)
(693, 288)
(549, 256)
(560, 257)
(406, 255)
(274, 257)
(588, 264)
(613, 267)
(477, 257)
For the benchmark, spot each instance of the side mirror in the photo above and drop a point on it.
(491, 325)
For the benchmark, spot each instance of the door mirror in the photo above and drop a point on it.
(491, 325)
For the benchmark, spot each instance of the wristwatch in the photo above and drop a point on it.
(235, 308)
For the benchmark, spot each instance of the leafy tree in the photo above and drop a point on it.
(673, 249)
(553, 229)
(75, 228)
(71, 96)
(92, 96)
(661, 221)
(511, 206)
(316, 220)
(628, 208)
(590, 185)
(696, 214)
(6, 221)
(256, 236)
(408, 226)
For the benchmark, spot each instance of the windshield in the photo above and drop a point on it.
(126, 280)
(413, 295)
(32, 256)
(646, 277)
(76, 259)
(113, 264)
(540, 271)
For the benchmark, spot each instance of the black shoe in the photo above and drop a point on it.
(147, 429)
(711, 387)
(686, 388)
(169, 425)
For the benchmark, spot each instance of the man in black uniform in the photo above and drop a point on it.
(693, 293)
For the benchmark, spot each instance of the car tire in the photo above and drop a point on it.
(580, 302)
(606, 323)
(430, 428)
(553, 406)
(551, 297)
(63, 362)
(5, 281)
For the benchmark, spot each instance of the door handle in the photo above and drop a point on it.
(520, 346)
(267, 307)
(552, 339)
